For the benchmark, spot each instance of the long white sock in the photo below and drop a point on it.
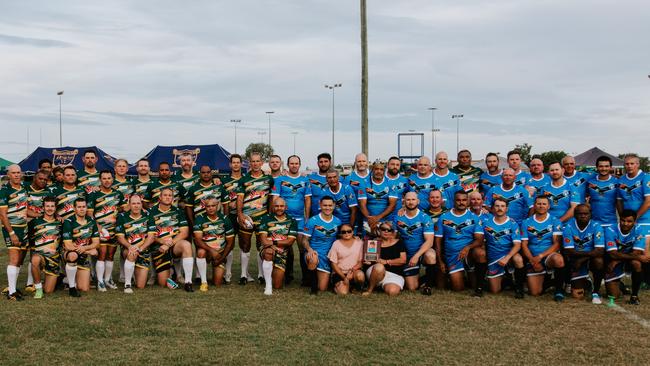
(202, 266)
(30, 277)
(12, 277)
(100, 268)
(38, 285)
(244, 263)
(229, 265)
(188, 266)
(129, 268)
(259, 267)
(71, 274)
(108, 272)
(267, 268)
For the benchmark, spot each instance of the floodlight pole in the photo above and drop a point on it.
(60, 94)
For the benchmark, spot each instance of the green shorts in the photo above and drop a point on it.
(143, 260)
(50, 263)
(279, 259)
(21, 233)
(161, 261)
(84, 262)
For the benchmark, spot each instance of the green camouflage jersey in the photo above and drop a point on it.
(165, 223)
(187, 183)
(45, 236)
(15, 201)
(276, 228)
(153, 191)
(35, 198)
(125, 187)
(469, 178)
(79, 234)
(88, 181)
(231, 185)
(65, 200)
(105, 208)
(141, 187)
(133, 230)
(197, 194)
(214, 232)
(256, 192)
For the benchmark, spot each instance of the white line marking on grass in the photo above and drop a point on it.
(631, 316)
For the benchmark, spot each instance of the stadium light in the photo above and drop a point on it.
(332, 88)
(60, 94)
(269, 114)
(235, 122)
(457, 117)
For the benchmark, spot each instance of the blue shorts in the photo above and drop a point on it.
(532, 272)
(578, 272)
(412, 271)
(495, 270)
(617, 273)
(323, 262)
(454, 264)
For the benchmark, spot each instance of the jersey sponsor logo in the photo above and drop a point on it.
(602, 190)
(497, 234)
(581, 243)
(514, 197)
(325, 231)
(628, 189)
(539, 234)
(194, 153)
(293, 187)
(409, 228)
(555, 198)
(458, 227)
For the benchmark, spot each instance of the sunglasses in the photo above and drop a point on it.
(346, 231)
(386, 229)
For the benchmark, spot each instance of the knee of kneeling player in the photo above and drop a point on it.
(518, 261)
(636, 266)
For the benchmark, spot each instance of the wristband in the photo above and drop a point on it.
(12, 233)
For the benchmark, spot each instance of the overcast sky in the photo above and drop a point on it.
(560, 75)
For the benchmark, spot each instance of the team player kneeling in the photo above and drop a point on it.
(532, 233)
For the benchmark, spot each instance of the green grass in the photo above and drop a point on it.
(238, 325)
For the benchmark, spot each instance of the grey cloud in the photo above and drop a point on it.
(35, 42)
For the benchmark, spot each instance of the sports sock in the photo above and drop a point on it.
(100, 267)
(244, 263)
(108, 271)
(313, 279)
(303, 269)
(177, 268)
(636, 282)
(598, 279)
(559, 279)
(12, 277)
(202, 266)
(38, 286)
(429, 275)
(129, 268)
(30, 277)
(188, 266)
(267, 268)
(520, 278)
(229, 265)
(481, 269)
(71, 274)
(260, 272)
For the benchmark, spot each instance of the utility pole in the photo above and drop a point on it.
(364, 79)
(235, 122)
(60, 94)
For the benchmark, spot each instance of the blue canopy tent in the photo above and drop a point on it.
(63, 156)
(214, 156)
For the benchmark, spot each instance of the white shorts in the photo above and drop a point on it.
(389, 278)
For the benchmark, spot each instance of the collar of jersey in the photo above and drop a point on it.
(320, 215)
(548, 217)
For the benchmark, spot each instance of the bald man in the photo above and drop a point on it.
(13, 215)
(578, 180)
(422, 183)
(520, 203)
(446, 181)
(359, 179)
(537, 177)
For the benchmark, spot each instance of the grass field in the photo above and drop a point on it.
(238, 325)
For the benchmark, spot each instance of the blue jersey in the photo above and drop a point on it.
(457, 231)
(356, 181)
(539, 234)
(624, 243)
(399, 186)
(538, 184)
(488, 181)
(318, 183)
(377, 196)
(586, 240)
(321, 233)
(633, 191)
(518, 198)
(293, 191)
(522, 178)
(422, 187)
(448, 184)
(500, 238)
(560, 198)
(344, 198)
(602, 199)
(412, 230)
(579, 183)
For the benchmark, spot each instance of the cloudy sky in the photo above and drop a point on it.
(560, 75)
